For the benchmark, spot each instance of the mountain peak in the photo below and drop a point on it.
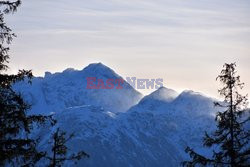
(192, 94)
(162, 94)
(99, 69)
(96, 66)
(69, 70)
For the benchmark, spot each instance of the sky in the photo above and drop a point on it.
(185, 42)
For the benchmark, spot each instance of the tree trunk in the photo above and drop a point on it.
(232, 153)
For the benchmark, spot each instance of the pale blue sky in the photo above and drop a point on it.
(185, 42)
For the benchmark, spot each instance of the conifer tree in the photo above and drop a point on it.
(16, 147)
(232, 135)
(59, 150)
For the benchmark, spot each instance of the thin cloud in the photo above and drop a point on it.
(165, 33)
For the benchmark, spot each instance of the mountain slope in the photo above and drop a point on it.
(115, 139)
(140, 136)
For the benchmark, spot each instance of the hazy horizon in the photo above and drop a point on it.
(184, 42)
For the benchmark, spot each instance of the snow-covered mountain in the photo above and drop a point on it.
(119, 127)
(59, 91)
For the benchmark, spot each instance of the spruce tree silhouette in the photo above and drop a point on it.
(231, 136)
(16, 147)
(59, 150)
